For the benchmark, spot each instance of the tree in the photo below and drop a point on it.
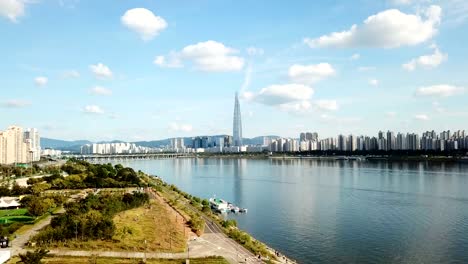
(33, 257)
(37, 206)
(38, 188)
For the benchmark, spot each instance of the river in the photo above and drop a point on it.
(318, 211)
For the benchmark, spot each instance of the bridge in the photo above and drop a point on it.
(136, 156)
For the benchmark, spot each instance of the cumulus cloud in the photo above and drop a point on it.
(387, 29)
(178, 127)
(99, 90)
(143, 22)
(441, 90)
(93, 109)
(16, 103)
(374, 82)
(210, 56)
(421, 117)
(12, 9)
(41, 81)
(70, 74)
(426, 61)
(281, 94)
(101, 71)
(308, 74)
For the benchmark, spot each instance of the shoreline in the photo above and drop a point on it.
(336, 158)
(214, 220)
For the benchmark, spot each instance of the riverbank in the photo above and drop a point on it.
(191, 206)
(397, 158)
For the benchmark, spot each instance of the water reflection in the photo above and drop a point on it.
(338, 211)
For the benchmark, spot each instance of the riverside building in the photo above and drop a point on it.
(19, 146)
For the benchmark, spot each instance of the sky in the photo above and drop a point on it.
(145, 70)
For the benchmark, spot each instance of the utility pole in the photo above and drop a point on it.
(76, 231)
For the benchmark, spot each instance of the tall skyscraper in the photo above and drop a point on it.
(237, 124)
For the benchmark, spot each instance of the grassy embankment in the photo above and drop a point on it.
(152, 223)
(103, 260)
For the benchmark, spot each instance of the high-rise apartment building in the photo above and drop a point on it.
(15, 147)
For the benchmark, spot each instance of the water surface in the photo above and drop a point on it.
(338, 211)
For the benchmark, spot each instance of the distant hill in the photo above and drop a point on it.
(75, 145)
(63, 144)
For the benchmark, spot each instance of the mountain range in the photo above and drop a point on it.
(74, 145)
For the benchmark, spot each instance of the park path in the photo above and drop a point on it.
(18, 244)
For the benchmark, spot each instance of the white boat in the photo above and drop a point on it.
(219, 205)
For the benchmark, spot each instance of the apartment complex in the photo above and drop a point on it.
(19, 146)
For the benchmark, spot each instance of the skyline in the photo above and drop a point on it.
(175, 74)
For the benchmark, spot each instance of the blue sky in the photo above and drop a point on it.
(142, 70)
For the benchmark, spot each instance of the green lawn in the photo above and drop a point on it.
(17, 218)
(15, 215)
(13, 212)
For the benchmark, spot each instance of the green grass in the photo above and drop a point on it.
(15, 215)
(18, 218)
(13, 212)
(154, 223)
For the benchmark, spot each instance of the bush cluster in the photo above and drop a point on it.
(90, 218)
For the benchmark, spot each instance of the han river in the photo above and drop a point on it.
(327, 211)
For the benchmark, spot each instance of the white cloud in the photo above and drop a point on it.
(308, 74)
(387, 29)
(16, 104)
(144, 22)
(210, 56)
(41, 81)
(441, 90)
(282, 94)
(426, 61)
(101, 71)
(355, 56)
(178, 127)
(421, 117)
(12, 9)
(99, 90)
(70, 74)
(253, 51)
(213, 56)
(93, 109)
(374, 82)
(326, 105)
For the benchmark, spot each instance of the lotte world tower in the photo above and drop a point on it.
(237, 123)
